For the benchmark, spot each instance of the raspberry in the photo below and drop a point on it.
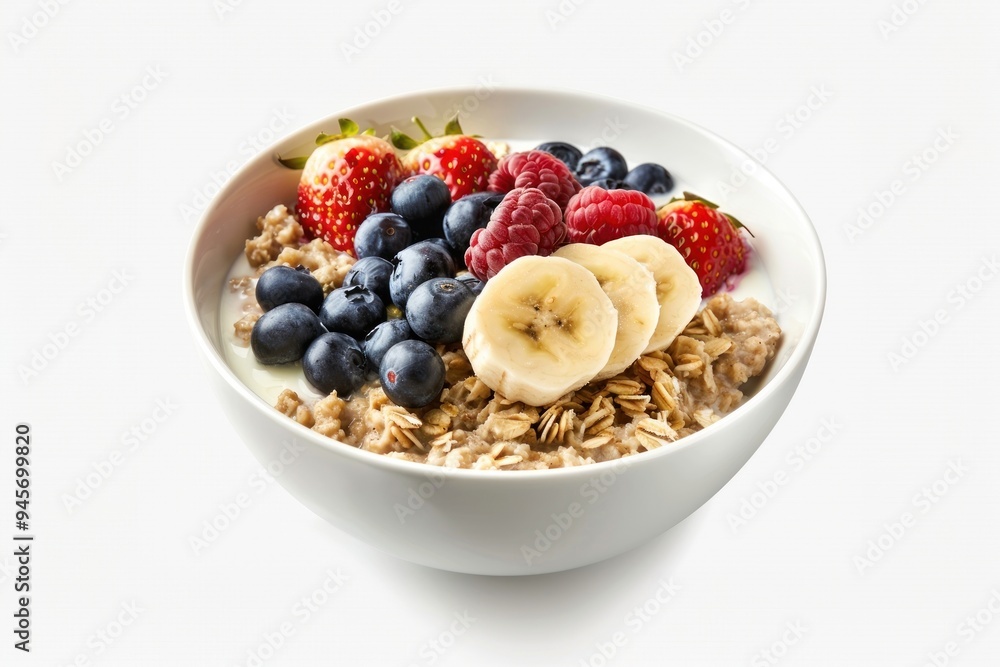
(535, 169)
(525, 223)
(595, 215)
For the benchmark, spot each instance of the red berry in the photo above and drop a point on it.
(595, 215)
(525, 223)
(346, 178)
(536, 169)
(708, 239)
(463, 162)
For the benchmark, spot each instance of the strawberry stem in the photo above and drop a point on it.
(419, 123)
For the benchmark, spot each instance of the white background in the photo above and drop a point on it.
(227, 72)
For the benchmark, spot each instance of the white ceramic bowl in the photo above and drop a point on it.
(511, 523)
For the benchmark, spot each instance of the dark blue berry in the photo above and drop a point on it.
(412, 374)
(422, 200)
(282, 334)
(601, 162)
(465, 216)
(373, 273)
(352, 310)
(418, 264)
(283, 284)
(382, 235)
(651, 178)
(474, 284)
(441, 242)
(568, 153)
(381, 338)
(436, 310)
(335, 362)
(612, 184)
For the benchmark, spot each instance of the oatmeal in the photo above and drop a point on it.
(662, 397)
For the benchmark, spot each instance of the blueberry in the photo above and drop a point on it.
(568, 153)
(282, 334)
(612, 184)
(465, 216)
(283, 284)
(335, 362)
(651, 178)
(418, 264)
(439, 241)
(601, 162)
(473, 283)
(382, 235)
(352, 310)
(422, 200)
(373, 273)
(381, 338)
(437, 308)
(412, 374)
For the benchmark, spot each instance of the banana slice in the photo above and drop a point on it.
(541, 327)
(632, 291)
(677, 288)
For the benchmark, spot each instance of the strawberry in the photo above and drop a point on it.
(708, 239)
(463, 162)
(345, 179)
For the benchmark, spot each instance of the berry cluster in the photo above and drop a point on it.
(414, 223)
(384, 322)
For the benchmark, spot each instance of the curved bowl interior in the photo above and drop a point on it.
(490, 522)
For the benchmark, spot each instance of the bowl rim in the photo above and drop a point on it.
(796, 361)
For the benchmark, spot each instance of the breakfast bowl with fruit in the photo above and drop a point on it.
(464, 336)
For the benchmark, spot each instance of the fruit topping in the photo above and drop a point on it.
(417, 264)
(422, 201)
(472, 282)
(282, 334)
(373, 273)
(347, 177)
(437, 308)
(412, 374)
(632, 291)
(525, 223)
(708, 239)
(335, 362)
(352, 310)
(381, 338)
(465, 216)
(601, 162)
(382, 235)
(541, 328)
(596, 215)
(463, 162)
(283, 284)
(535, 169)
(651, 178)
(677, 288)
(568, 153)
